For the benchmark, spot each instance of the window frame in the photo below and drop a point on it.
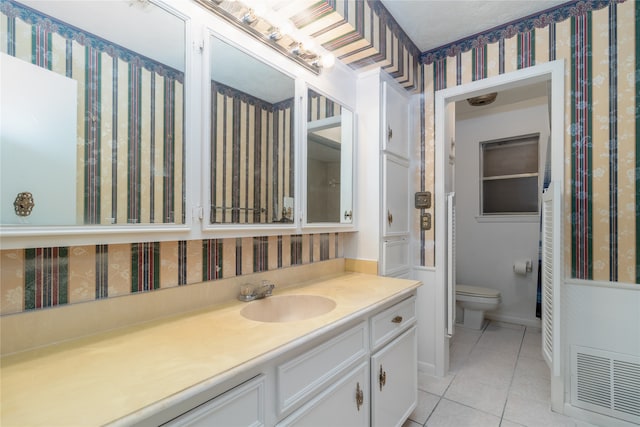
(525, 216)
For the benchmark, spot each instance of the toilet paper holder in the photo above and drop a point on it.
(522, 267)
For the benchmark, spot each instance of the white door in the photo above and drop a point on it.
(451, 264)
(445, 267)
(551, 266)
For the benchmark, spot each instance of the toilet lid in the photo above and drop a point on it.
(477, 291)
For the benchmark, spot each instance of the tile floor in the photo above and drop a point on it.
(497, 378)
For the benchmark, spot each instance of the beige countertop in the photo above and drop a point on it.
(99, 379)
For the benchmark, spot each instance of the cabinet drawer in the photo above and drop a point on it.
(388, 323)
(310, 371)
(337, 405)
(240, 406)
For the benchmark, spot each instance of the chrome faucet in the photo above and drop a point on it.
(249, 292)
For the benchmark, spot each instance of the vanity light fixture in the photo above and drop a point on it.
(249, 17)
(253, 17)
(275, 35)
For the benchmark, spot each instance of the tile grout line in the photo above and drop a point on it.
(454, 377)
(513, 374)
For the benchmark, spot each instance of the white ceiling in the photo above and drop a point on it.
(434, 23)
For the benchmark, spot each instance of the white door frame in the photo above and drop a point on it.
(551, 71)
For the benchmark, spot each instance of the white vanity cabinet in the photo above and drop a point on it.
(318, 370)
(394, 381)
(394, 364)
(363, 373)
(344, 403)
(241, 406)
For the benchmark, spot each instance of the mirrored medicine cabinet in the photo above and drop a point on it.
(252, 139)
(329, 161)
(92, 113)
(95, 139)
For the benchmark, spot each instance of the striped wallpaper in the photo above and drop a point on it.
(130, 118)
(599, 42)
(361, 34)
(37, 278)
(252, 157)
(320, 107)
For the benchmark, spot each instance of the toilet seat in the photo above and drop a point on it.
(476, 291)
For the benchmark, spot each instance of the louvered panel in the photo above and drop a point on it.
(593, 380)
(451, 263)
(606, 382)
(547, 277)
(626, 387)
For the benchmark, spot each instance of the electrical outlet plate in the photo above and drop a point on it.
(425, 221)
(423, 200)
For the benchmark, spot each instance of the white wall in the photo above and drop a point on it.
(487, 250)
(600, 315)
(366, 242)
(426, 314)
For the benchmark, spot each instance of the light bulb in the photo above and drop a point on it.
(309, 44)
(328, 60)
(286, 27)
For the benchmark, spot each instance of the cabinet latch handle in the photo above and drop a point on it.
(389, 217)
(382, 378)
(397, 319)
(359, 396)
(348, 214)
(389, 133)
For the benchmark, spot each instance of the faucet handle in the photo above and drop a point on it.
(267, 287)
(247, 292)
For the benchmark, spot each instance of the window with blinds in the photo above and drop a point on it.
(509, 176)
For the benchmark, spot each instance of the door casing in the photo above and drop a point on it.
(551, 71)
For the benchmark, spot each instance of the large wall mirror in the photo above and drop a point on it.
(252, 139)
(92, 113)
(329, 160)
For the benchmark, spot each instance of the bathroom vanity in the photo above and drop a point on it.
(356, 362)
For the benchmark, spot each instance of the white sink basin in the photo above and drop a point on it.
(287, 308)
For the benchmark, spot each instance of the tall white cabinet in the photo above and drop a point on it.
(394, 119)
(383, 200)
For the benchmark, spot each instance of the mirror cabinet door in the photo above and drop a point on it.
(92, 113)
(329, 161)
(252, 141)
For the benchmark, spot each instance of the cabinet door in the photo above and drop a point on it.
(395, 135)
(394, 381)
(241, 406)
(395, 214)
(344, 403)
(395, 257)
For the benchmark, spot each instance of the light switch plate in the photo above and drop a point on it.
(425, 221)
(423, 200)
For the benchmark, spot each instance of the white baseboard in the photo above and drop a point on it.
(593, 418)
(516, 320)
(427, 368)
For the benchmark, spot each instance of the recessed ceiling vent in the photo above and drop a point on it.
(481, 100)
(606, 382)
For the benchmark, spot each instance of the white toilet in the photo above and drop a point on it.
(474, 301)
